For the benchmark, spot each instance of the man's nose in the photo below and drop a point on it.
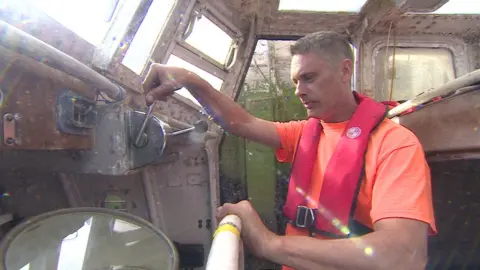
(300, 90)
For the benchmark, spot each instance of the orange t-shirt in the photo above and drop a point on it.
(397, 177)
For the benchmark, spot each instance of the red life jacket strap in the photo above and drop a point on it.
(346, 169)
(302, 168)
(342, 177)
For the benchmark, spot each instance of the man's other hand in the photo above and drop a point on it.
(254, 234)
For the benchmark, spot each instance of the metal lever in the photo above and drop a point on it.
(141, 132)
(200, 127)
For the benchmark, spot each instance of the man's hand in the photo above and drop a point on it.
(254, 233)
(161, 81)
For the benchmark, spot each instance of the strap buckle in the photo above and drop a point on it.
(305, 217)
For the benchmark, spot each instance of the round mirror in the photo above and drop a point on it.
(87, 239)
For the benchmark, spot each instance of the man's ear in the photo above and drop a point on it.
(346, 69)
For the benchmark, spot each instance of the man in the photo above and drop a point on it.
(393, 201)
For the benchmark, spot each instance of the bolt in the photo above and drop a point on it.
(143, 141)
(9, 117)
(10, 141)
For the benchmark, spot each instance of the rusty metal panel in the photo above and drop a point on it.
(124, 193)
(298, 24)
(456, 201)
(28, 193)
(33, 100)
(414, 24)
(174, 28)
(451, 125)
(112, 154)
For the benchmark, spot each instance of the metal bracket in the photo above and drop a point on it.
(10, 136)
(154, 139)
(114, 201)
(75, 114)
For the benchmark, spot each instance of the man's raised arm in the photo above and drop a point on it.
(161, 81)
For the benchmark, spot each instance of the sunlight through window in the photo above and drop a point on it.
(217, 50)
(146, 37)
(90, 19)
(322, 5)
(459, 7)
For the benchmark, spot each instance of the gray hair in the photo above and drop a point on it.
(331, 45)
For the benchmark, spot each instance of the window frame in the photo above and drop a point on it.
(380, 92)
(459, 50)
(135, 27)
(179, 47)
(350, 11)
(107, 60)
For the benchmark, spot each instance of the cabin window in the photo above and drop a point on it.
(179, 62)
(200, 38)
(146, 37)
(459, 7)
(91, 24)
(414, 71)
(325, 6)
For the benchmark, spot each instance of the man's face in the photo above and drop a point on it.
(319, 83)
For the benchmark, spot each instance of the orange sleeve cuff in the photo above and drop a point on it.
(423, 217)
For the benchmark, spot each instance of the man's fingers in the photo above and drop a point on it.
(152, 80)
(225, 210)
(160, 93)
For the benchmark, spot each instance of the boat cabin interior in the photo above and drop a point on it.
(72, 105)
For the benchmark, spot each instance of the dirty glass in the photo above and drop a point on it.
(150, 29)
(179, 62)
(88, 241)
(416, 70)
(72, 14)
(328, 6)
(217, 50)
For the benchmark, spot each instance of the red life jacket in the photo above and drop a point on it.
(342, 177)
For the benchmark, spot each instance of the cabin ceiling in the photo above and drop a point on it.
(375, 17)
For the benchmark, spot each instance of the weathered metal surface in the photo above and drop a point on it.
(450, 125)
(95, 190)
(225, 10)
(234, 81)
(154, 140)
(75, 115)
(30, 192)
(9, 59)
(420, 6)
(15, 40)
(173, 29)
(292, 25)
(186, 52)
(423, 24)
(456, 200)
(33, 100)
(113, 152)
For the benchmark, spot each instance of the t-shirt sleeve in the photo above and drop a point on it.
(402, 187)
(289, 133)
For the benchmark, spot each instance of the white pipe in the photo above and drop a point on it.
(226, 252)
